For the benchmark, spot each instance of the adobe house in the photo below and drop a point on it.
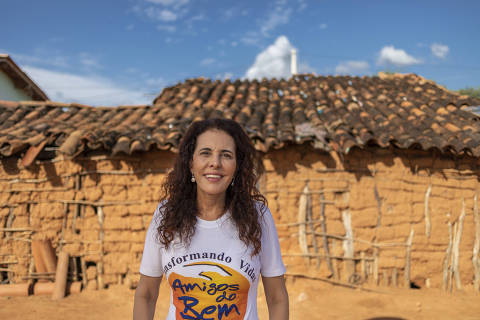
(15, 84)
(370, 180)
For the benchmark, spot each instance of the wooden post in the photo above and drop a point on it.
(448, 253)
(476, 246)
(348, 250)
(101, 235)
(363, 266)
(302, 217)
(61, 276)
(395, 277)
(334, 261)
(385, 278)
(323, 222)
(64, 226)
(83, 265)
(456, 248)
(452, 258)
(375, 264)
(408, 259)
(426, 212)
(311, 226)
(379, 203)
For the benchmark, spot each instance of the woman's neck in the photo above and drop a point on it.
(210, 207)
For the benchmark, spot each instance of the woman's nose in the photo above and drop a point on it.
(216, 162)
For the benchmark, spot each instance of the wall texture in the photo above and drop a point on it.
(385, 215)
(8, 91)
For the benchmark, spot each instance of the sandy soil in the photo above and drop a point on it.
(309, 299)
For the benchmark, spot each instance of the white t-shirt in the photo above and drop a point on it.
(215, 277)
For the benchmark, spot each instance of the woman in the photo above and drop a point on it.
(212, 235)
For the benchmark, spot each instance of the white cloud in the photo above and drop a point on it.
(323, 26)
(170, 3)
(164, 15)
(167, 28)
(130, 27)
(397, 57)
(250, 38)
(273, 62)
(279, 16)
(89, 61)
(207, 61)
(352, 67)
(439, 50)
(223, 76)
(302, 5)
(234, 43)
(156, 83)
(228, 14)
(91, 90)
(43, 58)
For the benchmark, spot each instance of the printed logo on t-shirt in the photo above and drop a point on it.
(208, 290)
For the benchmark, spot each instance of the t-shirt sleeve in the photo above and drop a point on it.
(270, 255)
(151, 264)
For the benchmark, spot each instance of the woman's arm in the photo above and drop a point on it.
(146, 297)
(277, 297)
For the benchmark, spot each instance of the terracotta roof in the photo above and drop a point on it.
(20, 79)
(337, 113)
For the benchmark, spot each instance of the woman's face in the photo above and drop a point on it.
(214, 162)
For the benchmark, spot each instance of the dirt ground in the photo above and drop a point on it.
(309, 299)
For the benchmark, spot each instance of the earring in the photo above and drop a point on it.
(232, 182)
(193, 178)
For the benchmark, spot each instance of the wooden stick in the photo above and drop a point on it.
(101, 238)
(334, 262)
(452, 258)
(302, 218)
(375, 265)
(35, 190)
(61, 276)
(363, 266)
(8, 262)
(395, 277)
(323, 224)
(311, 191)
(379, 203)
(336, 283)
(476, 245)
(448, 253)
(83, 265)
(18, 239)
(385, 278)
(348, 244)
(338, 237)
(426, 211)
(456, 248)
(16, 230)
(408, 259)
(323, 256)
(312, 228)
(6, 270)
(64, 226)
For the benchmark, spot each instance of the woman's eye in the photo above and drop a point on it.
(227, 155)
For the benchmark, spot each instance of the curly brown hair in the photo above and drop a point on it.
(179, 201)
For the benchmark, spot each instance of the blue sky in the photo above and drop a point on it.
(125, 51)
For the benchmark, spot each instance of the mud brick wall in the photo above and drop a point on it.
(386, 194)
(98, 208)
